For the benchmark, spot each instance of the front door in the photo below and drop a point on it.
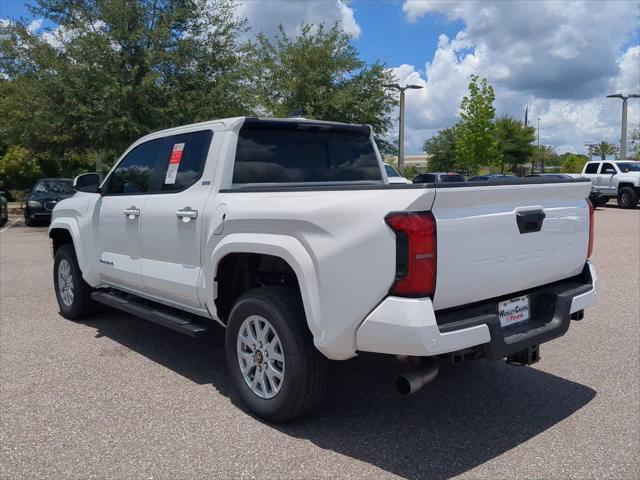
(606, 177)
(171, 228)
(119, 212)
(118, 238)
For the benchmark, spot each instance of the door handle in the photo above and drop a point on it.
(530, 221)
(186, 214)
(132, 212)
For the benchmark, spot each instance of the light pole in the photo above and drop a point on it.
(623, 133)
(396, 86)
(539, 152)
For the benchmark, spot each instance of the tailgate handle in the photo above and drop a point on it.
(530, 221)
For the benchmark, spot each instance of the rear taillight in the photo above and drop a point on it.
(416, 258)
(590, 249)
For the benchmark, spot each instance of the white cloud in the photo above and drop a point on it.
(35, 25)
(265, 16)
(560, 57)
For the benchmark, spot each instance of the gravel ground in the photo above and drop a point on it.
(116, 397)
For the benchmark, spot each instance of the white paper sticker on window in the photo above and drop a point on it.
(174, 164)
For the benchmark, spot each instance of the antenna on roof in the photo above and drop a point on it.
(298, 113)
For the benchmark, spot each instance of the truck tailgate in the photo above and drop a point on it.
(484, 251)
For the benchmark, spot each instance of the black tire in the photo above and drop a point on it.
(82, 304)
(627, 197)
(28, 221)
(305, 372)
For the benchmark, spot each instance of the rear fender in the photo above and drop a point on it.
(286, 247)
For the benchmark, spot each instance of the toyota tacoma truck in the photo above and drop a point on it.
(288, 234)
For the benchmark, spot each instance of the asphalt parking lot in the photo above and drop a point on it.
(116, 397)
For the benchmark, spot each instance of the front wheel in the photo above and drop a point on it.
(28, 221)
(627, 197)
(276, 369)
(72, 292)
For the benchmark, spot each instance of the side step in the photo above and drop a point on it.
(152, 312)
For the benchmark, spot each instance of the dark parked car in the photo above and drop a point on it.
(438, 177)
(4, 209)
(595, 196)
(489, 177)
(41, 200)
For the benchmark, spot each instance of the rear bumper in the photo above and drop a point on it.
(407, 326)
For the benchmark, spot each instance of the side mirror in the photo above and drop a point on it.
(87, 182)
(609, 171)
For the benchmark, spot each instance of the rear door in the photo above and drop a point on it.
(499, 239)
(591, 172)
(171, 228)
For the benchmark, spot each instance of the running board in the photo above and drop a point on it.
(152, 313)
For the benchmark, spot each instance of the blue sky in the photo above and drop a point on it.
(559, 57)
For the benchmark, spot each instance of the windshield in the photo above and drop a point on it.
(628, 166)
(391, 172)
(55, 186)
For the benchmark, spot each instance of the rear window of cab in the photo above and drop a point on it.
(292, 152)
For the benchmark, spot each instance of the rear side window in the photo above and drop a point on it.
(289, 152)
(424, 178)
(451, 178)
(591, 168)
(185, 159)
(167, 164)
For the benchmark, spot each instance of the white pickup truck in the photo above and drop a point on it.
(287, 233)
(616, 179)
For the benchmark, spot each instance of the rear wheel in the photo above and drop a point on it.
(627, 197)
(276, 369)
(72, 292)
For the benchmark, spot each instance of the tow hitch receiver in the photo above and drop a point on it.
(528, 356)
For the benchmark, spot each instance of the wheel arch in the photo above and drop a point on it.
(66, 231)
(280, 248)
(621, 185)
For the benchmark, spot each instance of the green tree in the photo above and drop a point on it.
(319, 72)
(572, 162)
(442, 150)
(475, 142)
(604, 149)
(19, 168)
(514, 142)
(119, 70)
(543, 154)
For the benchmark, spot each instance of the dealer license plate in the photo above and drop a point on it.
(514, 311)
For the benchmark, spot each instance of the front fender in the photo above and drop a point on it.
(71, 226)
(286, 247)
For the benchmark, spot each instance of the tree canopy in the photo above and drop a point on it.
(514, 143)
(442, 148)
(319, 72)
(604, 149)
(476, 142)
(112, 71)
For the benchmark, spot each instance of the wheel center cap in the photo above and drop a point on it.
(258, 356)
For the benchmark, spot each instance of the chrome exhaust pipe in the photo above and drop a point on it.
(408, 383)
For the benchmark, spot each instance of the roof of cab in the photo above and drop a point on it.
(234, 122)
